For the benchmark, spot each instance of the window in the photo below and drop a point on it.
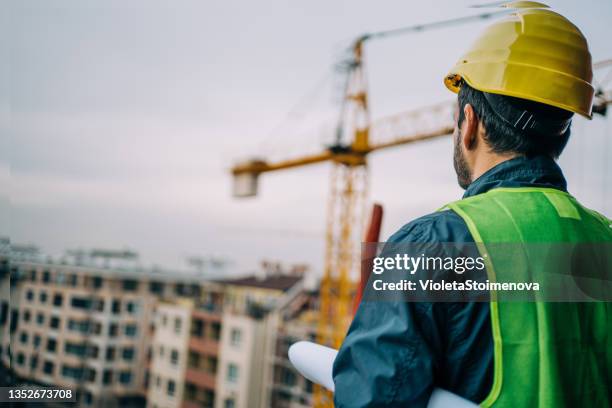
(46, 276)
(42, 297)
(72, 280)
(211, 365)
(80, 303)
(36, 341)
(209, 398)
(26, 315)
(33, 275)
(156, 287)
(309, 386)
(72, 372)
(107, 377)
(54, 323)
(229, 403)
(191, 391)
(158, 381)
(132, 307)
(4, 313)
(81, 326)
(113, 329)
(90, 374)
(174, 357)
(13, 320)
(110, 353)
(116, 307)
(194, 290)
(93, 351)
(75, 349)
(235, 337)
(130, 285)
(215, 331)
(232, 372)
(23, 338)
(99, 305)
(288, 377)
(193, 359)
(197, 328)
(96, 328)
(97, 282)
(29, 295)
(33, 362)
(58, 299)
(130, 330)
(60, 278)
(40, 319)
(51, 345)
(128, 353)
(177, 325)
(125, 377)
(20, 359)
(171, 387)
(88, 398)
(48, 367)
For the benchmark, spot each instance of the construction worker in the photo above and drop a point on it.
(518, 88)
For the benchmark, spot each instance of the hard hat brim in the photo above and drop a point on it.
(525, 82)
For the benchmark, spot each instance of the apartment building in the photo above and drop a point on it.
(5, 307)
(122, 335)
(89, 327)
(185, 351)
(288, 388)
(170, 348)
(232, 336)
(203, 354)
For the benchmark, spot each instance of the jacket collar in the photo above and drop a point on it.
(537, 171)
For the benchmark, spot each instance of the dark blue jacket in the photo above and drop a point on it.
(395, 353)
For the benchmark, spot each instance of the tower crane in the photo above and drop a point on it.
(348, 183)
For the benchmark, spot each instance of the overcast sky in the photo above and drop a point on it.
(125, 117)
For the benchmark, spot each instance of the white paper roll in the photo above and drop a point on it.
(315, 362)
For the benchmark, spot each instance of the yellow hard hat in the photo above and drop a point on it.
(534, 54)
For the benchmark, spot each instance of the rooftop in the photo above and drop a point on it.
(274, 282)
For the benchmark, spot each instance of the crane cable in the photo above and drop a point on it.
(432, 25)
(295, 113)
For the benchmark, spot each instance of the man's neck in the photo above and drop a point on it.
(487, 162)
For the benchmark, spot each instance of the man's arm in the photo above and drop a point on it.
(386, 359)
(396, 352)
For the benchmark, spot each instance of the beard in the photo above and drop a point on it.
(464, 176)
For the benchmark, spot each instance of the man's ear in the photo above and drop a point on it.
(469, 127)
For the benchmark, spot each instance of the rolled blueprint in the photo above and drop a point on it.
(315, 362)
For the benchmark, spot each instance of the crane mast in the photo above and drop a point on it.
(347, 198)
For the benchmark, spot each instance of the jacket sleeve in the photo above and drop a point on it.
(388, 356)
(386, 359)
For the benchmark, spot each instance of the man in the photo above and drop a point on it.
(518, 88)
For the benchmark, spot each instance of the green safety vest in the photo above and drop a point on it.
(546, 354)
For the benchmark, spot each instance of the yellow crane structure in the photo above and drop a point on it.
(349, 181)
(349, 174)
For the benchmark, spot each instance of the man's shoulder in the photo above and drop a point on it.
(439, 226)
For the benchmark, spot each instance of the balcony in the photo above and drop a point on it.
(204, 345)
(200, 378)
